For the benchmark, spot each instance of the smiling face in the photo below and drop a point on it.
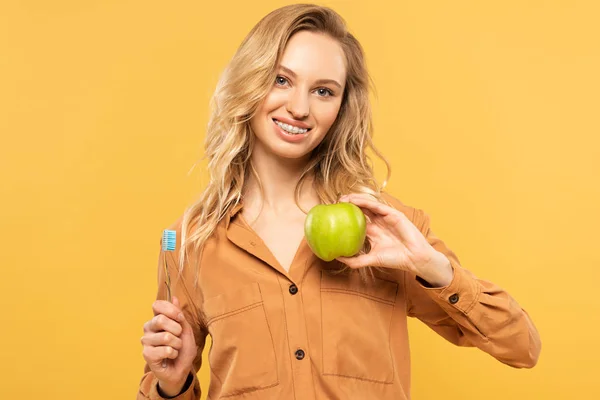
(305, 98)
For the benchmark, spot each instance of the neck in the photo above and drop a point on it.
(279, 178)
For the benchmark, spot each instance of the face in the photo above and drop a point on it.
(304, 100)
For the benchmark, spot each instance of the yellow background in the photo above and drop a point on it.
(488, 111)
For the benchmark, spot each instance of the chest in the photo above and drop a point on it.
(255, 318)
(282, 237)
(283, 242)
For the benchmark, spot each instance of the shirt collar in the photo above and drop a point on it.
(233, 212)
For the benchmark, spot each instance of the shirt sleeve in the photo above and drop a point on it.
(182, 287)
(471, 311)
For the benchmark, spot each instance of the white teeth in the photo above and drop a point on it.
(290, 128)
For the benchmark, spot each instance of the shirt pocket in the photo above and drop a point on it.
(356, 322)
(242, 355)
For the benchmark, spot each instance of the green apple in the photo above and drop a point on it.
(335, 230)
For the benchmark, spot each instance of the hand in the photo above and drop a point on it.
(397, 243)
(168, 335)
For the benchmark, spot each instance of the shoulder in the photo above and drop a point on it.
(417, 216)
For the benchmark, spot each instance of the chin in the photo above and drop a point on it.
(290, 154)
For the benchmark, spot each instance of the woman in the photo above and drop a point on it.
(290, 127)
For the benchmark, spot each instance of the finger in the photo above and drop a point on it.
(185, 325)
(161, 323)
(170, 310)
(162, 339)
(373, 206)
(148, 326)
(395, 218)
(155, 355)
(363, 260)
(361, 195)
(369, 215)
(176, 303)
(373, 231)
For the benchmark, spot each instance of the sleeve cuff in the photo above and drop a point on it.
(461, 294)
(154, 395)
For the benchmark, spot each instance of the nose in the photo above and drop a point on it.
(298, 104)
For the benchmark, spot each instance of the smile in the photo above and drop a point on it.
(294, 130)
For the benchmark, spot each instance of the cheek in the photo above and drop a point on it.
(259, 118)
(272, 102)
(326, 115)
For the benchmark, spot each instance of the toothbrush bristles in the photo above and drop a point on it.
(169, 240)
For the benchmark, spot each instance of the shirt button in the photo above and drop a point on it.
(299, 354)
(293, 289)
(453, 299)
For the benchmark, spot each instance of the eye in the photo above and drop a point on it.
(280, 80)
(324, 92)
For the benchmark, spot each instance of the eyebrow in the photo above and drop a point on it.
(320, 81)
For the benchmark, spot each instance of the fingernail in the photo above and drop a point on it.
(180, 317)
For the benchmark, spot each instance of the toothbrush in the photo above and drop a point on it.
(168, 244)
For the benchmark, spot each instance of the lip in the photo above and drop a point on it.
(287, 137)
(298, 124)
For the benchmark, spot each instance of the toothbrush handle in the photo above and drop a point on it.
(168, 285)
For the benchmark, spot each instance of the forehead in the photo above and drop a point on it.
(315, 56)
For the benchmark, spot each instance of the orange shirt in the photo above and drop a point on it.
(313, 335)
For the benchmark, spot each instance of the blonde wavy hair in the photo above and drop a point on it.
(339, 164)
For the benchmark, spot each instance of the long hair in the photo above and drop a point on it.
(339, 164)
